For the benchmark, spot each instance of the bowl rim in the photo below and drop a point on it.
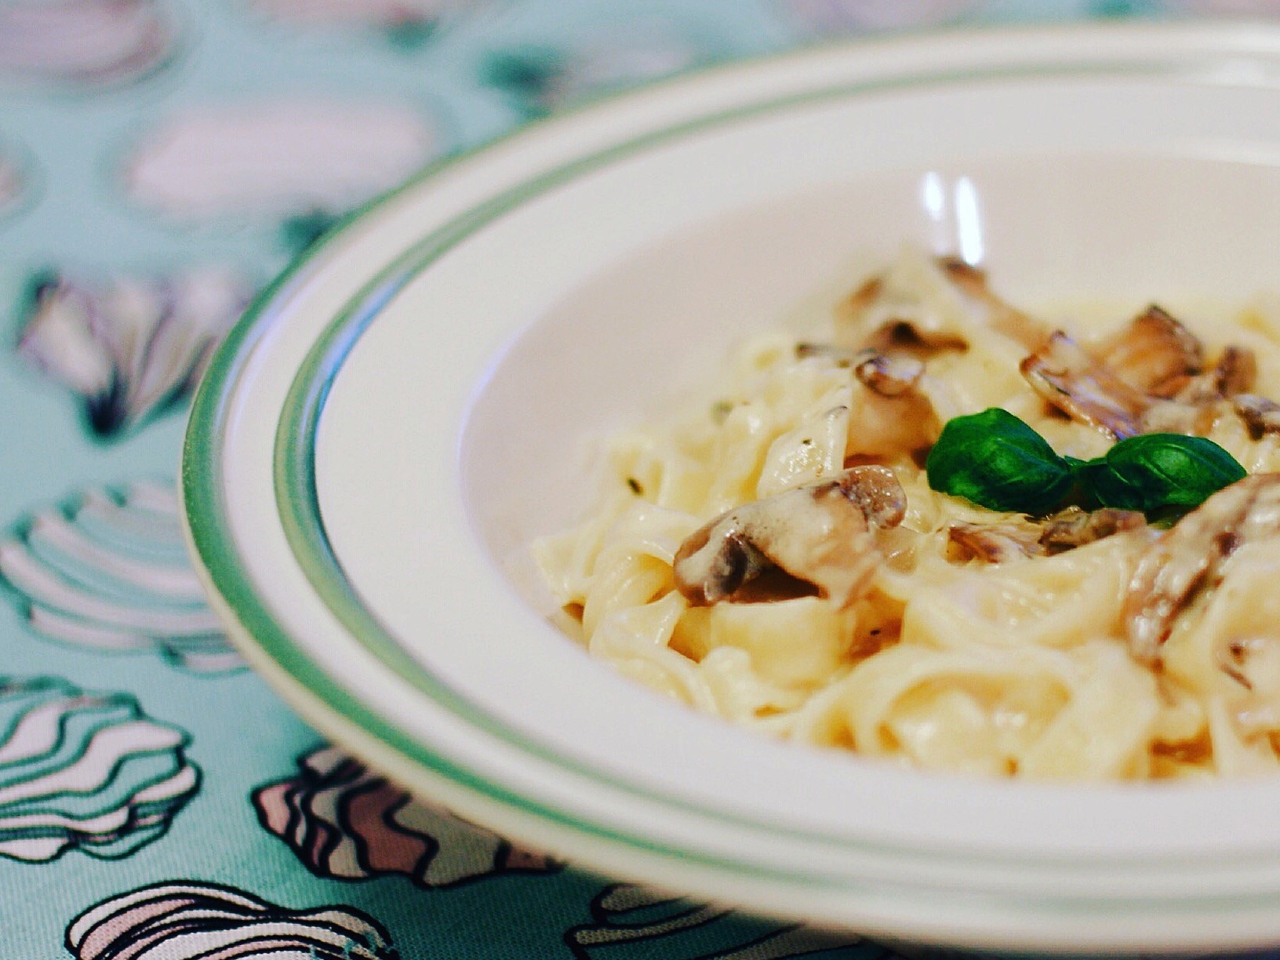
(320, 697)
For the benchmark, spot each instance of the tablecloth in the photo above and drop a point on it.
(160, 161)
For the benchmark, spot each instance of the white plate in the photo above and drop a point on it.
(384, 433)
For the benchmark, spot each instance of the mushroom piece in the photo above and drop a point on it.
(1234, 373)
(1153, 381)
(896, 410)
(889, 375)
(891, 359)
(1069, 378)
(1016, 539)
(971, 281)
(1074, 527)
(879, 303)
(1186, 561)
(1202, 398)
(1155, 353)
(902, 337)
(816, 538)
(993, 542)
(1260, 415)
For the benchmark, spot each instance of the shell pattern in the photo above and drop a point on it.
(130, 348)
(109, 571)
(85, 771)
(347, 823)
(276, 158)
(632, 921)
(190, 920)
(83, 43)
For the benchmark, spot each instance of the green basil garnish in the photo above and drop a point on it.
(1157, 471)
(997, 461)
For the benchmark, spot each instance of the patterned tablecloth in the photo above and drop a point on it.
(160, 160)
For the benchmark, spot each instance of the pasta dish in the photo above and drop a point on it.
(950, 534)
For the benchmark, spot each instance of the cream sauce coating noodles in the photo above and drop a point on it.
(776, 556)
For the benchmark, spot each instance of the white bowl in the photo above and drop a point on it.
(382, 436)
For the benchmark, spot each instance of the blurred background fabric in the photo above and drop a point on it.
(160, 162)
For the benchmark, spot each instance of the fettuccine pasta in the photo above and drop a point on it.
(776, 556)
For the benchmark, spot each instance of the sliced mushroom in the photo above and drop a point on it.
(896, 346)
(1153, 380)
(999, 316)
(889, 375)
(993, 542)
(1196, 402)
(1186, 561)
(1015, 539)
(1069, 378)
(1260, 415)
(1074, 527)
(882, 428)
(891, 365)
(907, 293)
(903, 337)
(817, 538)
(1234, 373)
(1155, 353)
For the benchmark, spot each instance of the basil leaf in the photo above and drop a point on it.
(1100, 486)
(1082, 472)
(1156, 471)
(996, 461)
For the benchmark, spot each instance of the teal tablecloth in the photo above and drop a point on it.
(160, 160)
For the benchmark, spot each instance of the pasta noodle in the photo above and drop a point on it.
(777, 556)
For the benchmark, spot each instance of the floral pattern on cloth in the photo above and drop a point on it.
(108, 570)
(129, 348)
(632, 921)
(347, 823)
(189, 920)
(85, 771)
